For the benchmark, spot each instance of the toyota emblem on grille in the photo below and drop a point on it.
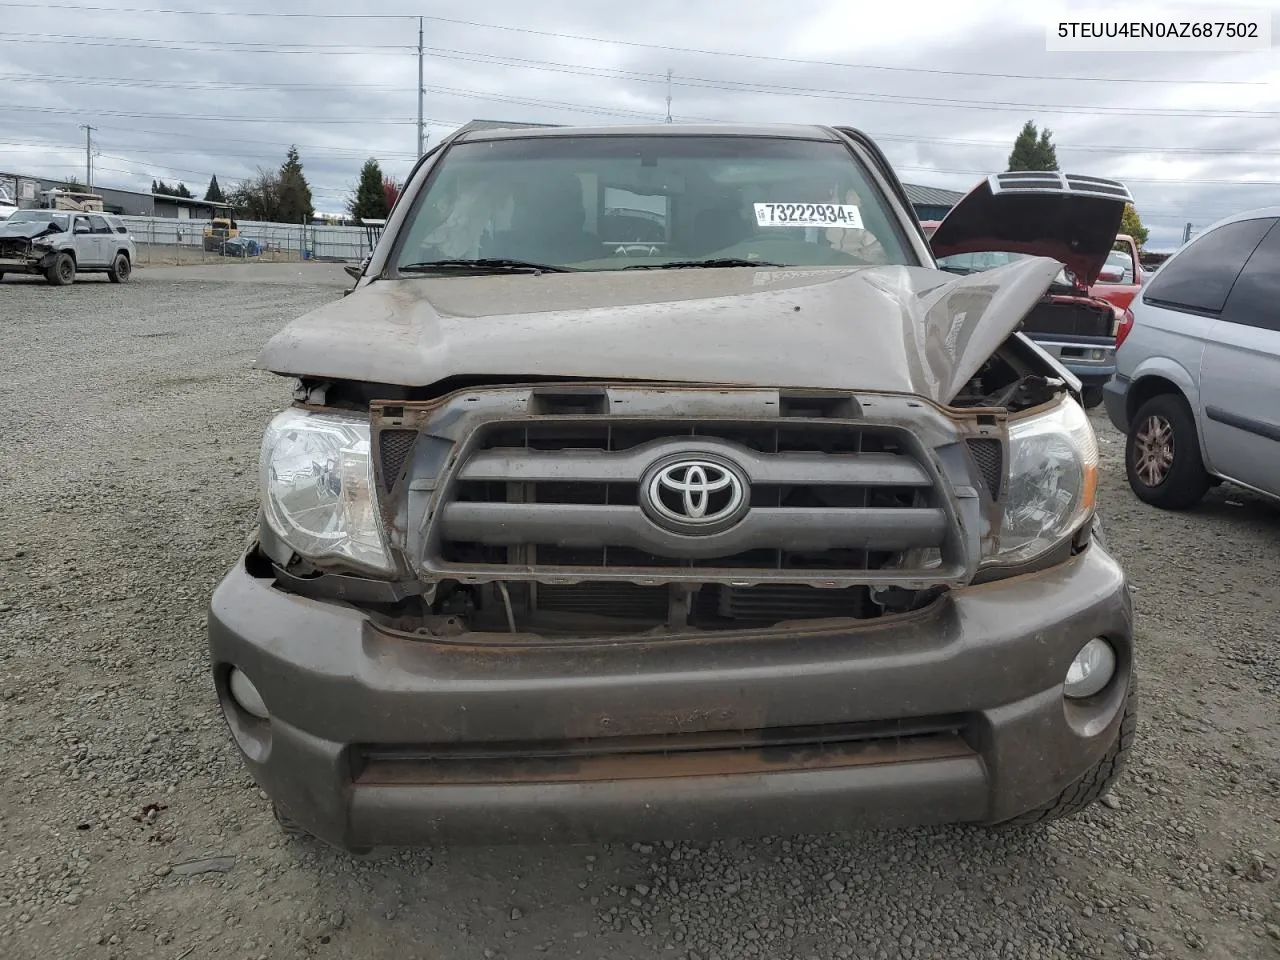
(694, 494)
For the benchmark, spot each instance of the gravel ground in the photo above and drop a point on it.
(129, 829)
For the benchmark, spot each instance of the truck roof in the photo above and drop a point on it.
(793, 131)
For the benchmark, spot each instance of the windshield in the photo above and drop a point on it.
(1120, 260)
(966, 263)
(977, 262)
(60, 220)
(613, 202)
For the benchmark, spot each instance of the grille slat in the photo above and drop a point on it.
(600, 525)
(519, 465)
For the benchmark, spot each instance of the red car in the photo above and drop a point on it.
(1075, 323)
(1121, 278)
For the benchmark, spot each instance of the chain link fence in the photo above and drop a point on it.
(163, 240)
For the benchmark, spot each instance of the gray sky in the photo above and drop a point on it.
(180, 96)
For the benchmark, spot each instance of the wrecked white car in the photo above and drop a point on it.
(58, 244)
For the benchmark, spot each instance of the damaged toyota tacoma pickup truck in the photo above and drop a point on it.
(654, 482)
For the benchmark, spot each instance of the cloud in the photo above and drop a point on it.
(188, 96)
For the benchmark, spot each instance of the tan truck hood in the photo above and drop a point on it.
(900, 329)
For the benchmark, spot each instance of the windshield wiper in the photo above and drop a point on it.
(690, 264)
(484, 265)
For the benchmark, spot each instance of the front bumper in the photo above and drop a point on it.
(1115, 394)
(353, 705)
(1091, 359)
(21, 264)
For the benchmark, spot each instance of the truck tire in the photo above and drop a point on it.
(62, 272)
(120, 269)
(1093, 786)
(1091, 397)
(1162, 455)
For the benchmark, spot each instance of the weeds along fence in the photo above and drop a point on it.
(162, 240)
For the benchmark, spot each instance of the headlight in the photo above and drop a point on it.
(317, 488)
(1053, 479)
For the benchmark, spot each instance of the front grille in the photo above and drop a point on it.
(761, 605)
(13, 247)
(1067, 319)
(545, 498)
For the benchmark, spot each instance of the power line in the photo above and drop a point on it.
(726, 85)
(594, 108)
(634, 43)
(387, 121)
(209, 46)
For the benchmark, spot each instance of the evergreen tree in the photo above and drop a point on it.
(370, 201)
(295, 192)
(214, 193)
(1033, 149)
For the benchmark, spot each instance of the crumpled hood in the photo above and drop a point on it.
(27, 229)
(898, 329)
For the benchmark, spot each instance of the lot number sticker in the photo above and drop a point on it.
(840, 215)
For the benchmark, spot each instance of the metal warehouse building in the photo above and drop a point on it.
(129, 203)
(931, 203)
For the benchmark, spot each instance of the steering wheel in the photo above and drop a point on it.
(637, 250)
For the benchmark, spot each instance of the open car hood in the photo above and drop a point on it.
(890, 328)
(1072, 219)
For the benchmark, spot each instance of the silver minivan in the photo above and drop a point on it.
(1197, 384)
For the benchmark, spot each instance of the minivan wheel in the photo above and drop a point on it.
(1091, 397)
(62, 272)
(1162, 455)
(120, 268)
(1096, 783)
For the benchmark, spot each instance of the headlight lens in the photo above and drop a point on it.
(1053, 479)
(317, 488)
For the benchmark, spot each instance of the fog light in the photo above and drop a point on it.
(247, 696)
(1091, 670)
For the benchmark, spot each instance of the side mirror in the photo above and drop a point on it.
(354, 270)
(82, 227)
(1111, 275)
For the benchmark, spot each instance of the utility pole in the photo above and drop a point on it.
(419, 86)
(668, 95)
(88, 154)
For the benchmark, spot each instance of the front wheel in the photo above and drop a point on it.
(1162, 455)
(120, 269)
(62, 272)
(1091, 397)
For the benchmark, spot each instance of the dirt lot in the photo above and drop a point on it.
(128, 443)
